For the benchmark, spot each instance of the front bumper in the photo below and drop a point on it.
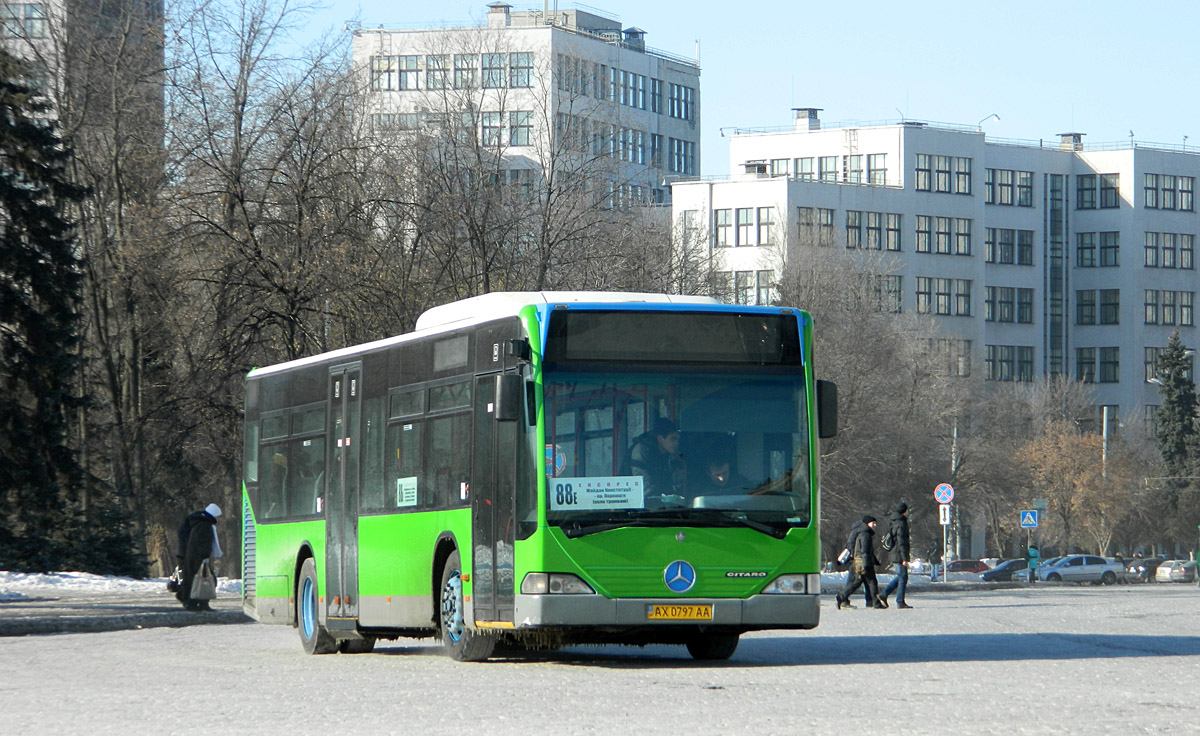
(755, 612)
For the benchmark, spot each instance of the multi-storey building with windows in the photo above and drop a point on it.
(538, 87)
(1036, 258)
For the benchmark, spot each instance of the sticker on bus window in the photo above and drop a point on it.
(406, 492)
(556, 461)
(588, 494)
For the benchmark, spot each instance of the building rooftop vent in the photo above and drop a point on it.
(1071, 141)
(807, 118)
(498, 15)
(635, 38)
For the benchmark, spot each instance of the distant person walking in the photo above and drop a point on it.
(862, 570)
(1035, 558)
(898, 530)
(197, 542)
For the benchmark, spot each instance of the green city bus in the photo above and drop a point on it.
(472, 480)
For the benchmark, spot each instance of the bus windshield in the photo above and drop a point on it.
(696, 446)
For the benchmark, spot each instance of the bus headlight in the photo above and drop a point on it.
(794, 585)
(555, 583)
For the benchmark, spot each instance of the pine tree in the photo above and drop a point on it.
(1176, 432)
(40, 281)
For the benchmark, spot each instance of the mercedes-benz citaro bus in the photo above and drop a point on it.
(542, 469)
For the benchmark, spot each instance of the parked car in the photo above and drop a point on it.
(1023, 576)
(961, 570)
(1162, 574)
(1084, 569)
(1142, 570)
(1183, 571)
(1003, 571)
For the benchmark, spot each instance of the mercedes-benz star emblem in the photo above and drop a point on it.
(679, 576)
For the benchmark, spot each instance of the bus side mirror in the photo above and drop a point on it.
(509, 396)
(827, 419)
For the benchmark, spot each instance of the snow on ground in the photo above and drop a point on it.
(19, 586)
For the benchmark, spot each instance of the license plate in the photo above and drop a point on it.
(676, 612)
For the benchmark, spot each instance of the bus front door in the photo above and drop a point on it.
(341, 497)
(493, 507)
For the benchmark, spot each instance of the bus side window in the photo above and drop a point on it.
(307, 476)
(272, 488)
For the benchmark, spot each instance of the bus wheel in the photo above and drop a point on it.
(366, 645)
(462, 643)
(713, 646)
(313, 637)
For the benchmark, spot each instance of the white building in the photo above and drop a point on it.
(1036, 257)
(533, 84)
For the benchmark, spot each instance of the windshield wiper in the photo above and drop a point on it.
(681, 517)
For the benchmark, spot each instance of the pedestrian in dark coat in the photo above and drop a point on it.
(197, 542)
(862, 570)
(898, 528)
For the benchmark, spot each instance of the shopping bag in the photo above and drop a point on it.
(204, 585)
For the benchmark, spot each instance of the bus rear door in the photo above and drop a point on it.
(341, 497)
(493, 505)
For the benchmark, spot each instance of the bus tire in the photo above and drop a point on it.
(713, 646)
(365, 645)
(463, 643)
(313, 636)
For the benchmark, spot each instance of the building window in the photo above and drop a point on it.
(888, 293)
(999, 304)
(1151, 306)
(1110, 249)
(1085, 365)
(1169, 249)
(924, 233)
(410, 74)
(1025, 306)
(779, 167)
(520, 128)
(1168, 192)
(962, 175)
(962, 236)
(1151, 250)
(877, 168)
(1186, 199)
(1110, 306)
(383, 72)
(1085, 307)
(1024, 188)
(1085, 192)
(1151, 191)
(520, 70)
(853, 229)
(1167, 306)
(494, 68)
(745, 225)
(854, 169)
(989, 186)
(683, 156)
(491, 128)
(962, 297)
(804, 169)
(941, 174)
(466, 67)
(1085, 250)
(941, 296)
(893, 232)
(942, 239)
(1009, 362)
(680, 101)
(437, 71)
(828, 168)
(924, 172)
(924, 295)
(1110, 185)
(1024, 247)
(24, 20)
(1187, 250)
(722, 228)
(1187, 308)
(766, 288)
(744, 288)
(1110, 365)
(825, 217)
(765, 225)
(875, 230)
(1005, 248)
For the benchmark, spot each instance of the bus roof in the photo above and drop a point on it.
(485, 308)
(503, 303)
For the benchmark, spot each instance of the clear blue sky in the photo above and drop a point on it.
(1102, 67)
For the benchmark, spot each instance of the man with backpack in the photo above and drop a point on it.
(896, 542)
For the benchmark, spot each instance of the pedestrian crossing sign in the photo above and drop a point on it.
(1029, 519)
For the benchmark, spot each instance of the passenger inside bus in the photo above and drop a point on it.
(655, 457)
(719, 479)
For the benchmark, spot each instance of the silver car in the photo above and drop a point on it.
(1084, 569)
